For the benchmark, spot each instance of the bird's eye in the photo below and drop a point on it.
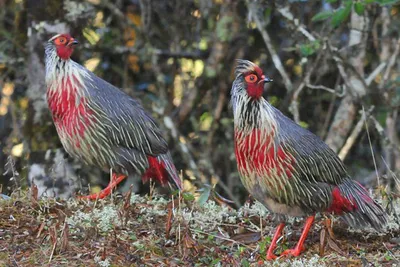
(252, 78)
(60, 40)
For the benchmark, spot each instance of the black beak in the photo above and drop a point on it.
(268, 80)
(73, 42)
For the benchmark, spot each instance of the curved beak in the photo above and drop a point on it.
(72, 42)
(267, 80)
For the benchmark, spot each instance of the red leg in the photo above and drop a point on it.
(115, 180)
(299, 247)
(278, 233)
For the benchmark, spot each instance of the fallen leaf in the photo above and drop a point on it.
(40, 229)
(104, 254)
(328, 224)
(332, 244)
(127, 201)
(34, 195)
(170, 214)
(322, 242)
(247, 238)
(189, 241)
(64, 238)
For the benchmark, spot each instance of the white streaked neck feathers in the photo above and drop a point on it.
(250, 114)
(58, 70)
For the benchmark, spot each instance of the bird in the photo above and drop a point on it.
(290, 170)
(101, 125)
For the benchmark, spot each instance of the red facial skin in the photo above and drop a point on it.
(255, 83)
(64, 46)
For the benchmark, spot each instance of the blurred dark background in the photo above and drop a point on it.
(335, 66)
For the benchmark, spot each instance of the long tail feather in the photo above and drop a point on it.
(366, 212)
(163, 170)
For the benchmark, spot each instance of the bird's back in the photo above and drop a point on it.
(101, 125)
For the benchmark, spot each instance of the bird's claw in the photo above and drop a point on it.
(271, 256)
(292, 252)
(115, 180)
(93, 196)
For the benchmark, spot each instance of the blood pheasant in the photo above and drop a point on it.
(289, 169)
(101, 125)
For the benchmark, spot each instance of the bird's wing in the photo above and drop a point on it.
(314, 162)
(123, 119)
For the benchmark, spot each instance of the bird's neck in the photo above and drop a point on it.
(65, 81)
(254, 115)
(63, 74)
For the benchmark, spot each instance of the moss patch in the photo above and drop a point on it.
(143, 230)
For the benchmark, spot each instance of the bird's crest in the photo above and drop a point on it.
(244, 66)
(54, 37)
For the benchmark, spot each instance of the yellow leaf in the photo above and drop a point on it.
(8, 89)
(17, 150)
(92, 63)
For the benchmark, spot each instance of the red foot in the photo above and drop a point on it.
(115, 180)
(271, 256)
(278, 233)
(300, 247)
(293, 252)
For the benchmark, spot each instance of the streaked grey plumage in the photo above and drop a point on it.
(289, 169)
(100, 124)
(315, 169)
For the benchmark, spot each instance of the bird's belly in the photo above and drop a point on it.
(281, 208)
(275, 203)
(73, 133)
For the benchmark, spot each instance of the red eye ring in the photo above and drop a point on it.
(60, 40)
(251, 78)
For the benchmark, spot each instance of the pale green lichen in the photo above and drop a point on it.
(77, 9)
(103, 218)
(394, 217)
(301, 262)
(102, 263)
(257, 209)
(209, 216)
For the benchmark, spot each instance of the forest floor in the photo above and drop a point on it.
(133, 230)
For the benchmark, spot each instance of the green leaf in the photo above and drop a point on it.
(188, 196)
(175, 192)
(310, 48)
(341, 14)
(204, 195)
(387, 2)
(303, 124)
(215, 262)
(245, 263)
(306, 50)
(322, 16)
(359, 8)
(263, 245)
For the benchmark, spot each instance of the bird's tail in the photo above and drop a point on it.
(365, 211)
(162, 169)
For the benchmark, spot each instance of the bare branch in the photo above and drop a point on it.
(375, 73)
(330, 90)
(253, 13)
(294, 106)
(354, 134)
(285, 12)
(191, 55)
(392, 61)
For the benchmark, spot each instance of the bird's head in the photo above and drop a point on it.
(251, 77)
(63, 44)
